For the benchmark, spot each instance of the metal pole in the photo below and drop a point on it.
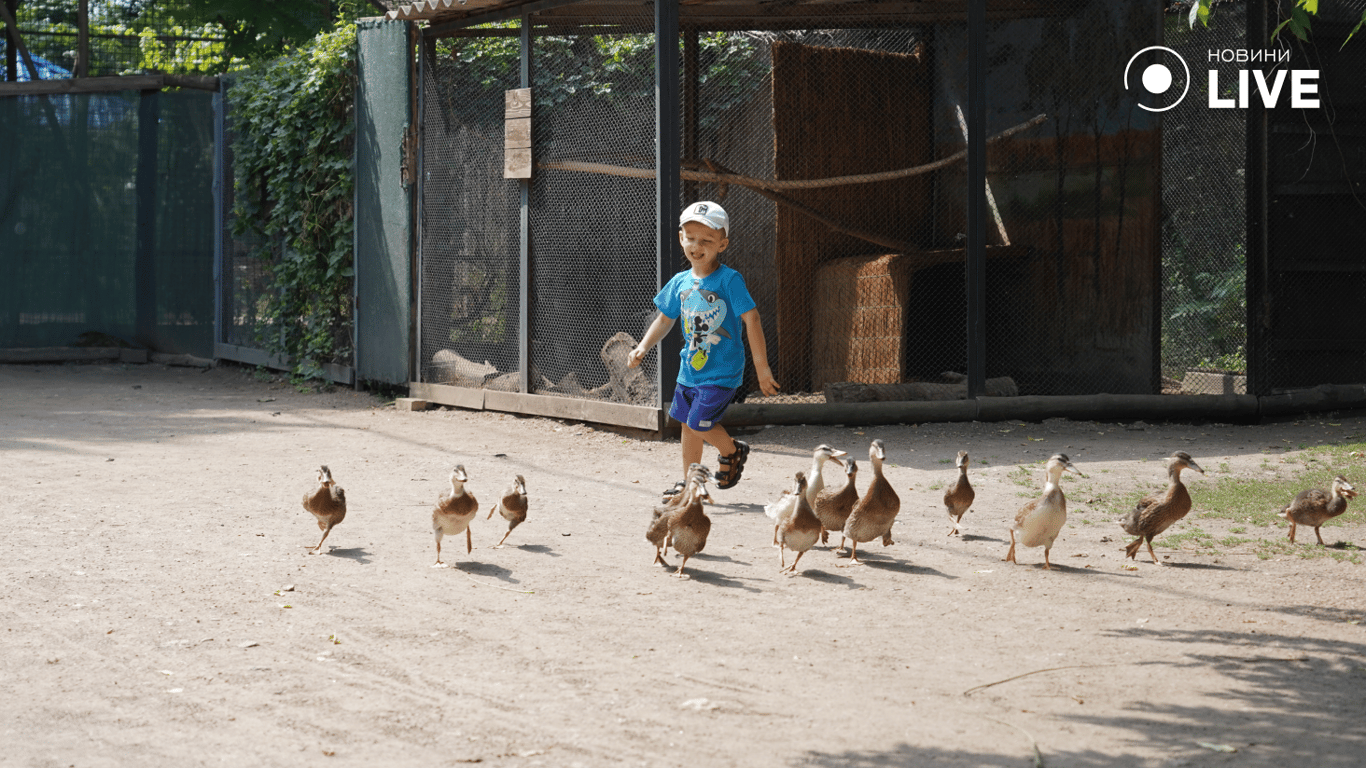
(144, 260)
(691, 83)
(12, 42)
(667, 139)
(83, 39)
(976, 213)
(219, 179)
(1257, 284)
(524, 256)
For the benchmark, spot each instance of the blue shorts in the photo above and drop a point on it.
(700, 407)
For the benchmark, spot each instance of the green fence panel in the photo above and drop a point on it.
(383, 204)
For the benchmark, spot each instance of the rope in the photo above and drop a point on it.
(785, 184)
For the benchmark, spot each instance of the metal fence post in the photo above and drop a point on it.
(144, 259)
(976, 213)
(667, 139)
(1255, 177)
(524, 258)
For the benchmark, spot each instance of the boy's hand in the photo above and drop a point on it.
(766, 382)
(633, 359)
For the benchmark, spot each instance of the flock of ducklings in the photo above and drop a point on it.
(811, 510)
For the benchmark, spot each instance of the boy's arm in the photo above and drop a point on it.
(653, 334)
(754, 332)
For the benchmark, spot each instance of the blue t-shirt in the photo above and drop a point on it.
(713, 342)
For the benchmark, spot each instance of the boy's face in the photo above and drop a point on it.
(702, 244)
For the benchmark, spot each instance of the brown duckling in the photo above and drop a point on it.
(658, 532)
(799, 530)
(1039, 521)
(1156, 512)
(453, 513)
(684, 525)
(958, 499)
(512, 507)
(834, 505)
(875, 511)
(327, 502)
(1314, 507)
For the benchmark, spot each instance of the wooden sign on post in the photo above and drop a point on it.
(517, 134)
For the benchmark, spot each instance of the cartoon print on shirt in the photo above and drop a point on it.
(703, 312)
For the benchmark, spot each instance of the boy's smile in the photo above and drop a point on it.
(703, 246)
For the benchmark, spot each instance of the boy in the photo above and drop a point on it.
(714, 303)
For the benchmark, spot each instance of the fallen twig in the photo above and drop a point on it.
(1033, 743)
(1036, 672)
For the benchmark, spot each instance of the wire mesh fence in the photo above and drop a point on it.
(1204, 223)
(1117, 251)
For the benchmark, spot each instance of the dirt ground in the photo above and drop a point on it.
(161, 609)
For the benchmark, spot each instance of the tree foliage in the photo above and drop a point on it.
(294, 124)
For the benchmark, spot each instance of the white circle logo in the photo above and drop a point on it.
(1157, 77)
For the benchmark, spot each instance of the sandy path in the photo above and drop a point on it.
(152, 514)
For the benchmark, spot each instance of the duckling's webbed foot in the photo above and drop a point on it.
(853, 557)
(1151, 552)
(1010, 555)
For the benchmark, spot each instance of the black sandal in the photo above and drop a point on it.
(734, 464)
(674, 492)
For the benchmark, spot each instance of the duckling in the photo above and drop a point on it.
(684, 525)
(1314, 507)
(784, 507)
(799, 530)
(875, 512)
(659, 522)
(833, 506)
(958, 499)
(453, 513)
(327, 503)
(512, 507)
(1155, 513)
(815, 481)
(1039, 521)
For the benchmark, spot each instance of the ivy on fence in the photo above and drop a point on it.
(294, 124)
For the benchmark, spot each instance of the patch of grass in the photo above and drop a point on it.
(1229, 542)
(1193, 535)
(1238, 529)
(937, 487)
(946, 461)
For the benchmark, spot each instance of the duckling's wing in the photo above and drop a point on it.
(782, 507)
(1025, 512)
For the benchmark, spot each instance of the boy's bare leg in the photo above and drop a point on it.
(692, 440)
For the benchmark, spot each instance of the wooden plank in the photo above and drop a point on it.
(445, 394)
(339, 374)
(517, 103)
(84, 85)
(57, 354)
(595, 411)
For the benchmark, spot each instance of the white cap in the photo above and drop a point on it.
(709, 213)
